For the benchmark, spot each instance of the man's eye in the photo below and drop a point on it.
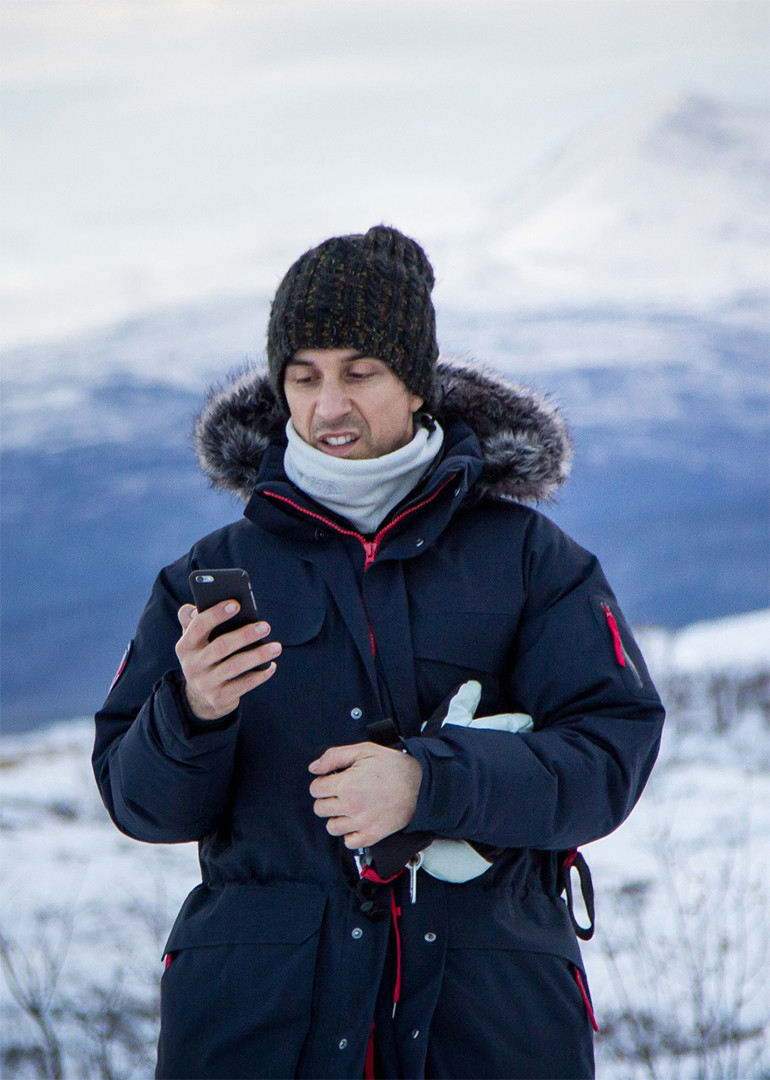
(360, 374)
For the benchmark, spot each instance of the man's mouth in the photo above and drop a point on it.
(336, 443)
(338, 440)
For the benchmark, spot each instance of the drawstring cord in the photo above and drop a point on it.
(368, 874)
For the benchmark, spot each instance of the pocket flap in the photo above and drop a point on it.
(479, 919)
(247, 915)
(468, 639)
(291, 624)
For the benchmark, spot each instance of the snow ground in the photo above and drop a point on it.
(678, 963)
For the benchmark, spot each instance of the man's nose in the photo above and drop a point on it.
(333, 400)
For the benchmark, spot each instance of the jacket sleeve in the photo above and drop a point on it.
(161, 779)
(578, 672)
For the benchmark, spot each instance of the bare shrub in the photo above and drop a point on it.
(686, 959)
(64, 1021)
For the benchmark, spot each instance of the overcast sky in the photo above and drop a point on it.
(156, 151)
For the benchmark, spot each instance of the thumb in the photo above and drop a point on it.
(464, 704)
(337, 758)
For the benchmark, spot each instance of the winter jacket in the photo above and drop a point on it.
(273, 969)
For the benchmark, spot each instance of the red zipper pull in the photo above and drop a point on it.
(612, 622)
(370, 550)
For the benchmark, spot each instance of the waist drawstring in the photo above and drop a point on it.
(368, 874)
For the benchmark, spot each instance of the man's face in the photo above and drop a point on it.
(347, 404)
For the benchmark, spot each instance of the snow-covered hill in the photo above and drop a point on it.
(667, 208)
(677, 968)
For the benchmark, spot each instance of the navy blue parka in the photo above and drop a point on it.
(274, 969)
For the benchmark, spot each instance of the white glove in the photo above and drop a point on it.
(457, 860)
(464, 704)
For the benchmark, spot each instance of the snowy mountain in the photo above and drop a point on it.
(665, 208)
(665, 389)
(677, 968)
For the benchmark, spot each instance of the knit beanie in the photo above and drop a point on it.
(369, 292)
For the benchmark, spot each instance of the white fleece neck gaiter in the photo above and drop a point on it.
(363, 491)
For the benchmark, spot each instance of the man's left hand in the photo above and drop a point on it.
(366, 791)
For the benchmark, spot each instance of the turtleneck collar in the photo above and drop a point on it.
(363, 491)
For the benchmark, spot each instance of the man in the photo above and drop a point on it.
(450, 684)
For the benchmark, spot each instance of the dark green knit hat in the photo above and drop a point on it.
(368, 292)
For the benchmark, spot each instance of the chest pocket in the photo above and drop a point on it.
(451, 647)
(299, 687)
(291, 624)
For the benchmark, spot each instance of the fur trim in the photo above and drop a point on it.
(524, 440)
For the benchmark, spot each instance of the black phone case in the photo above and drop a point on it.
(226, 584)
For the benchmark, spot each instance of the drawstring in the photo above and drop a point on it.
(395, 911)
(568, 860)
(368, 874)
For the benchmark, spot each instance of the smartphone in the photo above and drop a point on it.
(210, 587)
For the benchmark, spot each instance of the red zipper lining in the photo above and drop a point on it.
(371, 547)
(586, 1000)
(620, 656)
(369, 1063)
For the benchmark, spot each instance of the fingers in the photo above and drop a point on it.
(239, 663)
(217, 673)
(365, 791)
(200, 625)
(224, 697)
(186, 614)
(339, 757)
(353, 837)
(327, 807)
(339, 824)
(211, 700)
(197, 629)
(464, 704)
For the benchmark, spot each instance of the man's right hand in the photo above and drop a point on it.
(216, 674)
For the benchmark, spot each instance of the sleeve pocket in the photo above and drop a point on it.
(619, 646)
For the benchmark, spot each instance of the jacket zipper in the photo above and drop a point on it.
(621, 655)
(371, 547)
(612, 622)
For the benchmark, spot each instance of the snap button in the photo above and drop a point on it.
(357, 933)
(430, 936)
(343, 1043)
(420, 542)
(356, 713)
(320, 534)
(416, 1033)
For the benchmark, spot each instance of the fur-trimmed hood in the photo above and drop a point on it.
(524, 440)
